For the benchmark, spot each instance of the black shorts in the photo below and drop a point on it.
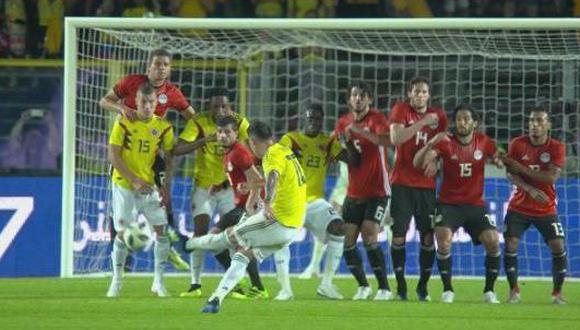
(159, 171)
(472, 218)
(407, 202)
(230, 219)
(355, 211)
(517, 223)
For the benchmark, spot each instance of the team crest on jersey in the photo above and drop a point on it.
(478, 155)
(545, 157)
(154, 132)
(162, 98)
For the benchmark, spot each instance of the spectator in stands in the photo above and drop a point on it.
(141, 8)
(418, 8)
(15, 13)
(362, 8)
(455, 8)
(269, 8)
(191, 8)
(51, 18)
(33, 143)
(310, 8)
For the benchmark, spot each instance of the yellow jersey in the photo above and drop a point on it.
(139, 142)
(208, 169)
(314, 154)
(289, 203)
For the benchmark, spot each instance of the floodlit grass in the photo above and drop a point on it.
(80, 303)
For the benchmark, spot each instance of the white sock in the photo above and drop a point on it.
(282, 258)
(161, 253)
(333, 256)
(232, 277)
(196, 259)
(318, 249)
(118, 255)
(212, 242)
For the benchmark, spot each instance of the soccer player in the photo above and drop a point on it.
(461, 203)
(212, 189)
(368, 189)
(240, 166)
(412, 124)
(534, 163)
(132, 150)
(121, 99)
(273, 227)
(314, 150)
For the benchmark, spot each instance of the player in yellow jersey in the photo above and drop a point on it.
(315, 150)
(133, 146)
(212, 191)
(273, 227)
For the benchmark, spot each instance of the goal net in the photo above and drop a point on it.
(277, 68)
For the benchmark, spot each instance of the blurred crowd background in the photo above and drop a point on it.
(31, 49)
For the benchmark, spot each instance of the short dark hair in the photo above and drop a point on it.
(363, 86)
(160, 52)
(418, 80)
(465, 107)
(218, 91)
(315, 107)
(260, 130)
(227, 120)
(539, 108)
(146, 89)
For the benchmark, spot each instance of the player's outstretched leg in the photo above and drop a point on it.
(231, 278)
(282, 259)
(313, 267)
(118, 257)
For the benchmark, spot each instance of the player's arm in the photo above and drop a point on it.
(427, 154)
(401, 134)
(349, 153)
(256, 183)
(270, 193)
(111, 102)
(550, 176)
(187, 113)
(183, 147)
(117, 162)
(535, 193)
(378, 139)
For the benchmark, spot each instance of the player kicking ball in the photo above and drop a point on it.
(461, 204)
(272, 228)
(133, 146)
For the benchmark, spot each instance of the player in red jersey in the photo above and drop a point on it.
(412, 124)
(368, 190)
(534, 163)
(461, 204)
(121, 99)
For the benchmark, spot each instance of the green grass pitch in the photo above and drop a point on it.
(80, 303)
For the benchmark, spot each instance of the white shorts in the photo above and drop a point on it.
(319, 213)
(204, 203)
(127, 204)
(262, 236)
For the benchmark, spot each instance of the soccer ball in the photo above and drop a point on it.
(135, 238)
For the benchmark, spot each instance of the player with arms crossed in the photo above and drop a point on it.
(368, 189)
(534, 163)
(412, 125)
(121, 100)
(461, 203)
(212, 189)
(273, 227)
(315, 149)
(132, 150)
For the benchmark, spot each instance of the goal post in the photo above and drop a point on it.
(276, 67)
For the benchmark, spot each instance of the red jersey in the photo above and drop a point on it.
(369, 179)
(464, 168)
(168, 95)
(236, 162)
(536, 158)
(405, 173)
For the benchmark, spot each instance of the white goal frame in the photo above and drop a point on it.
(70, 66)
